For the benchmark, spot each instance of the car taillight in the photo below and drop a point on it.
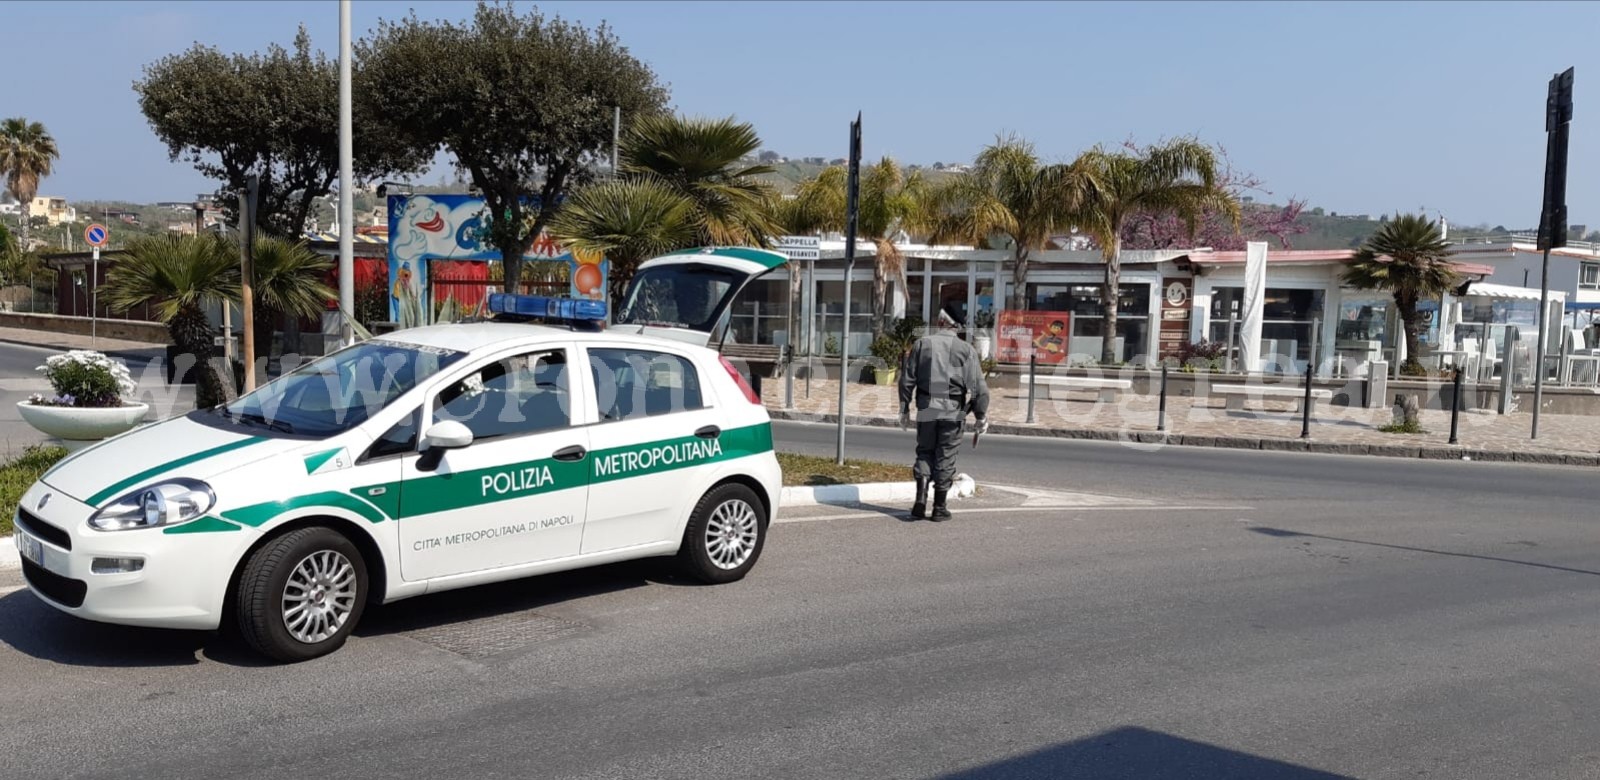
(749, 392)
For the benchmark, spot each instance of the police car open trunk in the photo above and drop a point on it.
(688, 295)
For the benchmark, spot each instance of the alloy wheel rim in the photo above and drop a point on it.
(731, 534)
(319, 596)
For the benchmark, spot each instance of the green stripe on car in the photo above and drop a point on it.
(315, 460)
(447, 492)
(762, 257)
(257, 515)
(139, 478)
(206, 524)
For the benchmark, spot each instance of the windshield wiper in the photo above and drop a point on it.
(259, 419)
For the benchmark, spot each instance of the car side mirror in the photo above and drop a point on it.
(442, 436)
(447, 435)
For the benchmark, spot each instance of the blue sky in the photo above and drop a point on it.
(1356, 107)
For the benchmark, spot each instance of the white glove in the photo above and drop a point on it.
(905, 419)
(983, 425)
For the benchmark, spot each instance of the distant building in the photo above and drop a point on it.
(53, 209)
(816, 161)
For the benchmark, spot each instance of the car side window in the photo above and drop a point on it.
(398, 440)
(522, 394)
(631, 383)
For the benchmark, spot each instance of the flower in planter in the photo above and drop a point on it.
(84, 378)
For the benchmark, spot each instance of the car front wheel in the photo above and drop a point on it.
(725, 535)
(301, 594)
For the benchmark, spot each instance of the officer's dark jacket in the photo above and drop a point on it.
(944, 376)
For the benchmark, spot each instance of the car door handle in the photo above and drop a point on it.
(575, 452)
(709, 432)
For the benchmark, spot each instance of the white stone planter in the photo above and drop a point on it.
(984, 343)
(83, 424)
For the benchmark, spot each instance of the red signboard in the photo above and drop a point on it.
(1045, 335)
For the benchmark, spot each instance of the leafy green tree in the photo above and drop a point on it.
(27, 154)
(1010, 195)
(629, 221)
(889, 202)
(179, 277)
(1176, 177)
(682, 184)
(523, 102)
(288, 280)
(275, 114)
(1408, 258)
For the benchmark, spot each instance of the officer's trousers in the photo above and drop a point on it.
(937, 442)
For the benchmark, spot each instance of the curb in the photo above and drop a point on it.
(1420, 452)
(121, 353)
(864, 493)
(10, 557)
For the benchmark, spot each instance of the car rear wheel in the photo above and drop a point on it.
(301, 594)
(725, 535)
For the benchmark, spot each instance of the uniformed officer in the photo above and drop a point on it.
(944, 376)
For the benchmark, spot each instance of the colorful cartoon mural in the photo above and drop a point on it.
(450, 228)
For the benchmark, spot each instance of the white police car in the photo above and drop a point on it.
(429, 459)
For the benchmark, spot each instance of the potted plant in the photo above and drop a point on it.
(889, 349)
(983, 335)
(88, 404)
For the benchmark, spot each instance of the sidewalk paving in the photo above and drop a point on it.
(1483, 435)
(65, 341)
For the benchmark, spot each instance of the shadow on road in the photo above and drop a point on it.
(1283, 533)
(1137, 753)
(34, 628)
(505, 598)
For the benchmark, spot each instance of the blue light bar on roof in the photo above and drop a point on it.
(547, 307)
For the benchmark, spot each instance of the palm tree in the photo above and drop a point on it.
(1010, 193)
(703, 160)
(179, 277)
(1409, 258)
(628, 221)
(889, 202)
(27, 153)
(1177, 177)
(287, 279)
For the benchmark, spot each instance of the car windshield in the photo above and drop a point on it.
(337, 392)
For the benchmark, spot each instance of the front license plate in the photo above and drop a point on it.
(32, 550)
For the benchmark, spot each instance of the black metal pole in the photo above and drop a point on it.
(1455, 407)
(1033, 368)
(1161, 410)
(1305, 408)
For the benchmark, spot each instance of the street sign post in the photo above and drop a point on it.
(1553, 216)
(796, 248)
(852, 199)
(96, 236)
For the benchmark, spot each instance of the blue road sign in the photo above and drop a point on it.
(96, 235)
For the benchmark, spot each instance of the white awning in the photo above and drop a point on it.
(1491, 290)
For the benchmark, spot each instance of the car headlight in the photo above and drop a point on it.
(164, 503)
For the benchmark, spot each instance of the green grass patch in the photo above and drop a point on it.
(812, 471)
(1402, 427)
(19, 474)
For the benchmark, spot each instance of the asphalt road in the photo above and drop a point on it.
(1202, 613)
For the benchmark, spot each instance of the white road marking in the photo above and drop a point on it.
(865, 513)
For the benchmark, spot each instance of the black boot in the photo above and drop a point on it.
(940, 511)
(919, 510)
